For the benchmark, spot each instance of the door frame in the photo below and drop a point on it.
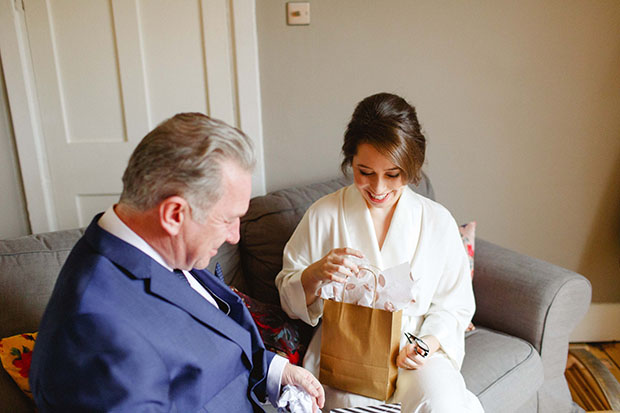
(25, 114)
(21, 95)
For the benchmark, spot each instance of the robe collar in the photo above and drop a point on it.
(402, 237)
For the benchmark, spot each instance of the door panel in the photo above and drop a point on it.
(108, 71)
(83, 49)
(173, 60)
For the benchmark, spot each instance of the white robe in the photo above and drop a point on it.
(422, 232)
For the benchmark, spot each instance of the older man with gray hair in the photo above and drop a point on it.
(135, 322)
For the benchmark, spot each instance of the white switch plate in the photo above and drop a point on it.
(297, 13)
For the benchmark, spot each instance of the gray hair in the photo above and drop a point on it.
(183, 156)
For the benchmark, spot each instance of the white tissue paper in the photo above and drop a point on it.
(294, 400)
(394, 287)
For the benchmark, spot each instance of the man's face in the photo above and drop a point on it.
(200, 240)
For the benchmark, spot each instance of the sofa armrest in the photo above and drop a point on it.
(531, 299)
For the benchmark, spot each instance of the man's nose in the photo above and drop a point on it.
(233, 233)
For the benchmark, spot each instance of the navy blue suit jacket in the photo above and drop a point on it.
(123, 333)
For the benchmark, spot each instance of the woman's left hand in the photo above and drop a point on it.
(410, 358)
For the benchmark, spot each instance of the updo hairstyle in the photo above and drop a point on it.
(390, 125)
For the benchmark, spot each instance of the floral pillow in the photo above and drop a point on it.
(468, 235)
(280, 334)
(16, 354)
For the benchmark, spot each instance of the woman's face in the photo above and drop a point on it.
(379, 181)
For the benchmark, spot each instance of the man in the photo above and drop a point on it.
(135, 323)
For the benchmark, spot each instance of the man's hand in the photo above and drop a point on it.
(301, 377)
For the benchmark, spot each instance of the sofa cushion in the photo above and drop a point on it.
(265, 229)
(29, 267)
(270, 222)
(11, 397)
(503, 371)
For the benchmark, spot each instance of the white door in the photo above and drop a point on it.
(104, 72)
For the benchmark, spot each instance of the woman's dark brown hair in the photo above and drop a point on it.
(390, 125)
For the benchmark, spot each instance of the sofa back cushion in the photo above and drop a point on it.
(270, 222)
(29, 267)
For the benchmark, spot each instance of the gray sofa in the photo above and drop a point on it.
(515, 359)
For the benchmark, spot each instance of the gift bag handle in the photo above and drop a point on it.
(375, 276)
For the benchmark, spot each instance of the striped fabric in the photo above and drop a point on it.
(392, 408)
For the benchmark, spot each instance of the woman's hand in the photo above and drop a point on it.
(410, 356)
(298, 376)
(337, 265)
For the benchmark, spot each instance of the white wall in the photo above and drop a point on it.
(520, 102)
(13, 216)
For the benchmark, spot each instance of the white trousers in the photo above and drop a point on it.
(437, 387)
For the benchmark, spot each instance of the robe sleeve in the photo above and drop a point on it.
(299, 253)
(453, 304)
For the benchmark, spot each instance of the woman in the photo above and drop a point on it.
(381, 219)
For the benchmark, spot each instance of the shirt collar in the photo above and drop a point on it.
(110, 222)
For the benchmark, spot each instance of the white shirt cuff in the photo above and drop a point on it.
(274, 378)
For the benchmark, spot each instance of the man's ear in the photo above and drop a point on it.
(173, 211)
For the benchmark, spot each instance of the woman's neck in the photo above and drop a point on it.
(381, 219)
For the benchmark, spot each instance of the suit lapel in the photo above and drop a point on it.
(168, 286)
(179, 293)
(238, 310)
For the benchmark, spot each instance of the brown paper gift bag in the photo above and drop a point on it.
(359, 346)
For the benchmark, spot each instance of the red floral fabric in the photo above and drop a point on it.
(280, 334)
(16, 355)
(468, 236)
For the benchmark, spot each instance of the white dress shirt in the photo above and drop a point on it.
(111, 223)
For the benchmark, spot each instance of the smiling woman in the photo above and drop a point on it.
(380, 182)
(381, 219)
(385, 147)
